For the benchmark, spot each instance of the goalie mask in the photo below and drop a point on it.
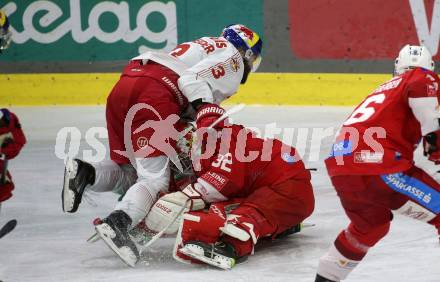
(412, 56)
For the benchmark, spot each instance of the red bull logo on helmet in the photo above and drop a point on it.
(250, 37)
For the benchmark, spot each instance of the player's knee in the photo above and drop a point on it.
(305, 196)
(354, 242)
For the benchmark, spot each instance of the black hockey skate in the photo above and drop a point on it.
(113, 230)
(77, 175)
(292, 230)
(319, 278)
(220, 254)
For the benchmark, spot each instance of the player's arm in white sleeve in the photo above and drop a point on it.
(426, 112)
(216, 77)
(423, 101)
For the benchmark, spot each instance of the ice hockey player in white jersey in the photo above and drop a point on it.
(155, 90)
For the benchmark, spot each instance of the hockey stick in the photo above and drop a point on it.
(8, 227)
(307, 225)
(158, 235)
(229, 112)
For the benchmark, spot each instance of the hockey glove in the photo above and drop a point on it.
(431, 146)
(168, 207)
(208, 114)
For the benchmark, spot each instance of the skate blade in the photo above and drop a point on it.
(105, 233)
(307, 225)
(195, 252)
(69, 173)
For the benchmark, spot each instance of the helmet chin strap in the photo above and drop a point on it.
(247, 70)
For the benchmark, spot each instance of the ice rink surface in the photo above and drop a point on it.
(48, 245)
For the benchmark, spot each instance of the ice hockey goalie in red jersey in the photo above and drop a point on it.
(12, 139)
(253, 188)
(371, 164)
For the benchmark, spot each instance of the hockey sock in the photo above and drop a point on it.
(136, 202)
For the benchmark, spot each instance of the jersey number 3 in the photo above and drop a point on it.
(218, 71)
(365, 110)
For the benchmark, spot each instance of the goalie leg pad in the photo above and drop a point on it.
(201, 227)
(161, 215)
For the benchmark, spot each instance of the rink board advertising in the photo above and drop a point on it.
(80, 30)
(315, 52)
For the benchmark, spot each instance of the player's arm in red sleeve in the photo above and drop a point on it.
(14, 142)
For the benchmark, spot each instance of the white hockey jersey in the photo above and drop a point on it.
(210, 68)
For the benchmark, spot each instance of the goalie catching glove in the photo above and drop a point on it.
(431, 146)
(169, 206)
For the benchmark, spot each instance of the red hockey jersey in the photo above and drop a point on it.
(381, 134)
(12, 138)
(243, 163)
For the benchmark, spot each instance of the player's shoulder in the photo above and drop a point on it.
(421, 75)
(421, 82)
(218, 44)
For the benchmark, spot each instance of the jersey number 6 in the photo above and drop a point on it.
(364, 112)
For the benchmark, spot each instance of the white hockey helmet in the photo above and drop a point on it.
(412, 56)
